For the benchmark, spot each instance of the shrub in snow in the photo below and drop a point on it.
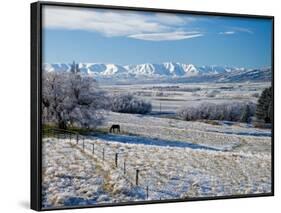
(235, 111)
(70, 99)
(127, 103)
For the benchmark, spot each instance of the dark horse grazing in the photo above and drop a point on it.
(113, 127)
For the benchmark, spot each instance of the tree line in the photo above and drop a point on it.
(260, 113)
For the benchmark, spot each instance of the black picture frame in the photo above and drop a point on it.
(36, 91)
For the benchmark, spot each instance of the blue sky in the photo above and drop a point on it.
(126, 37)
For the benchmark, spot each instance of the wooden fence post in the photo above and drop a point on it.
(116, 159)
(77, 139)
(103, 154)
(93, 149)
(137, 177)
(83, 145)
(124, 167)
(147, 192)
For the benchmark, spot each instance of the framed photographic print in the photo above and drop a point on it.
(140, 105)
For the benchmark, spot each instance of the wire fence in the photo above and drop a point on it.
(137, 175)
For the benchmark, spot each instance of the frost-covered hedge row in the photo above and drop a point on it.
(127, 103)
(234, 111)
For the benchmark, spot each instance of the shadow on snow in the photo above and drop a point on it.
(256, 134)
(128, 139)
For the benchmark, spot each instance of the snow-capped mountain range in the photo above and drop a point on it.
(169, 70)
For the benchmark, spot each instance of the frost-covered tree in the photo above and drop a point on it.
(70, 99)
(74, 68)
(127, 103)
(246, 115)
(224, 111)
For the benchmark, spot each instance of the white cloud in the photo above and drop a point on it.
(173, 19)
(234, 30)
(227, 33)
(166, 36)
(131, 24)
(241, 29)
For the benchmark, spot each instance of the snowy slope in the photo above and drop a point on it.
(263, 74)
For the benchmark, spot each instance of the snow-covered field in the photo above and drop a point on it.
(176, 159)
(170, 97)
(71, 176)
